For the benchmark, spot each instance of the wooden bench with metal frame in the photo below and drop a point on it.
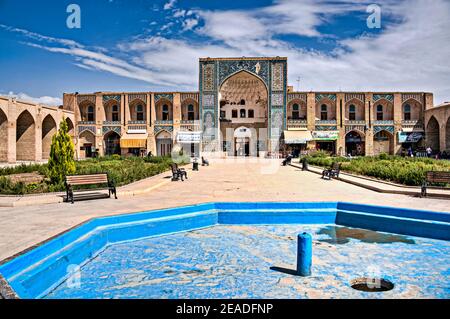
(333, 171)
(435, 177)
(100, 179)
(178, 173)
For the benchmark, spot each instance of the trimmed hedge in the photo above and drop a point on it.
(123, 170)
(403, 170)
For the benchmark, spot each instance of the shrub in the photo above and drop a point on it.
(61, 162)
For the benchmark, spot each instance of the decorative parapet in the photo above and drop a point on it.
(359, 122)
(170, 122)
(326, 122)
(388, 97)
(86, 122)
(416, 125)
(390, 122)
(111, 123)
(358, 96)
(321, 96)
(137, 122)
(297, 96)
(84, 98)
(297, 124)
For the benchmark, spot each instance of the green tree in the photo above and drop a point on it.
(61, 162)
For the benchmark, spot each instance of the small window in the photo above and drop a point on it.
(115, 113)
(407, 112)
(234, 114)
(223, 114)
(323, 113)
(295, 112)
(165, 112)
(242, 113)
(242, 102)
(379, 112)
(352, 113)
(191, 113)
(139, 113)
(251, 114)
(90, 113)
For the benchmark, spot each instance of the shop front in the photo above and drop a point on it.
(326, 141)
(409, 140)
(134, 144)
(296, 141)
(190, 142)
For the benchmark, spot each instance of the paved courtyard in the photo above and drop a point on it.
(225, 180)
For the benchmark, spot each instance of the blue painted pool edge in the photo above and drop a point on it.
(36, 272)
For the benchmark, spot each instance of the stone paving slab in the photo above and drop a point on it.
(245, 180)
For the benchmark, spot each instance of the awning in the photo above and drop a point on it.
(325, 135)
(133, 141)
(409, 137)
(297, 137)
(189, 137)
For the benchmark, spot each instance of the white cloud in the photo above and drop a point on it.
(189, 24)
(410, 55)
(169, 5)
(46, 100)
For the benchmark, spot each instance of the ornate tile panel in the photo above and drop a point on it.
(259, 68)
(277, 77)
(158, 129)
(86, 128)
(414, 96)
(139, 96)
(208, 77)
(208, 100)
(107, 98)
(160, 96)
(388, 97)
(277, 99)
(117, 129)
(83, 98)
(358, 96)
(297, 96)
(379, 128)
(320, 97)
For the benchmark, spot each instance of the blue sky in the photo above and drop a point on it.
(142, 45)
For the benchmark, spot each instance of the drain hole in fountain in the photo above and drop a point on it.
(371, 284)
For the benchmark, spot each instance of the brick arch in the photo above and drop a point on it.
(83, 109)
(25, 137)
(360, 109)
(383, 142)
(4, 134)
(70, 126)
(433, 134)
(184, 109)
(303, 110)
(388, 109)
(132, 107)
(416, 109)
(49, 129)
(352, 147)
(108, 109)
(159, 108)
(331, 108)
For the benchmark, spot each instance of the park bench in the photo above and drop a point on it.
(178, 173)
(333, 171)
(101, 180)
(287, 160)
(435, 177)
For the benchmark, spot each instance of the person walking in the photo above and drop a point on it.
(429, 151)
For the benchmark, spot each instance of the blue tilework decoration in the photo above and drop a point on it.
(379, 128)
(117, 129)
(107, 98)
(388, 97)
(160, 96)
(320, 97)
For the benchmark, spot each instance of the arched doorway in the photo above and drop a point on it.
(243, 105)
(70, 127)
(48, 130)
(433, 134)
(25, 137)
(383, 142)
(164, 143)
(87, 144)
(244, 142)
(112, 143)
(354, 144)
(4, 136)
